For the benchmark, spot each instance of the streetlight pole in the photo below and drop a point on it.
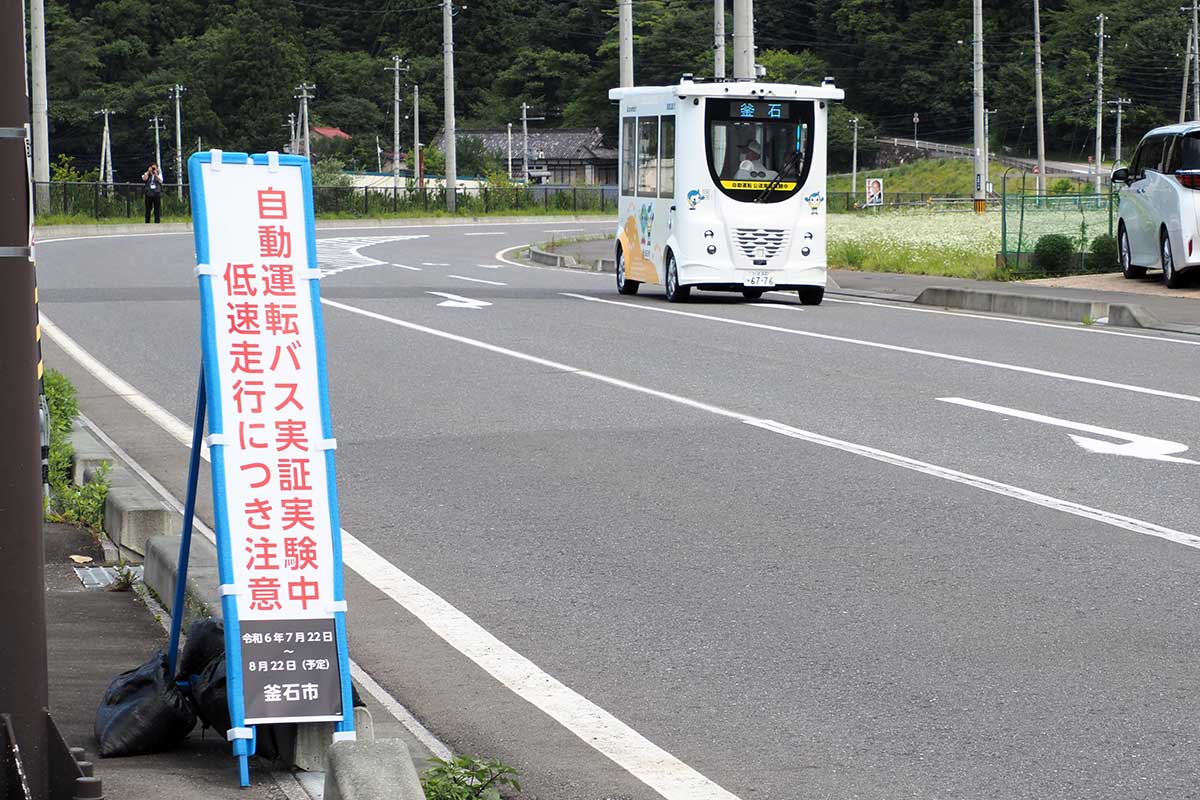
(177, 91)
(418, 173)
(980, 145)
(854, 164)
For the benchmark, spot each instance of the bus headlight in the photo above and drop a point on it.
(712, 249)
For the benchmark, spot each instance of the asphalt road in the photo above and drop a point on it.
(849, 551)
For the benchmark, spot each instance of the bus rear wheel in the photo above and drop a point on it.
(675, 292)
(752, 294)
(624, 285)
(811, 295)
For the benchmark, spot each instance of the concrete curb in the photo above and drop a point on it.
(1016, 305)
(543, 255)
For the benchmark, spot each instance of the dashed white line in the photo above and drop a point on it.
(774, 305)
(477, 280)
(563, 230)
(487, 233)
(491, 266)
(406, 266)
(434, 264)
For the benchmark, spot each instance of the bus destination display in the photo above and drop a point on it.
(749, 109)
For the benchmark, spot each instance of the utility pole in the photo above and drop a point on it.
(106, 165)
(1037, 92)
(1120, 103)
(718, 38)
(510, 151)
(157, 121)
(23, 691)
(743, 40)
(854, 164)
(417, 171)
(304, 89)
(397, 69)
(1195, 59)
(625, 39)
(977, 69)
(41, 125)
(177, 91)
(451, 140)
(1187, 67)
(292, 133)
(1099, 96)
(987, 137)
(525, 118)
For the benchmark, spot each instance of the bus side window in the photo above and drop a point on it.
(666, 171)
(647, 155)
(628, 155)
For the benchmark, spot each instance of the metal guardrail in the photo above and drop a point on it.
(93, 200)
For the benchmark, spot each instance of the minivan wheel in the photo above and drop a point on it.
(1171, 275)
(1127, 267)
(675, 292)
(624, 285)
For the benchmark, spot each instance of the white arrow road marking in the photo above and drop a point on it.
(457, 301)
(1133, 444)
(477, 280)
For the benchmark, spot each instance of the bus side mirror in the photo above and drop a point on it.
(1121, 176)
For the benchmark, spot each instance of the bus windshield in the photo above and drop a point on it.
(758, 145)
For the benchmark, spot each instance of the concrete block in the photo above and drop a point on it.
(1130, 315)
(201, 598)
(133, 515)
(606, 265)
(89, 455)
(379, 770)
(1015, 305)
(543, 257)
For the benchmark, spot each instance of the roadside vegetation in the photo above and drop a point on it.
(468, 778)
(80, 505)
(949, 177)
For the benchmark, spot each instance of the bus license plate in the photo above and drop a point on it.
(759, 278)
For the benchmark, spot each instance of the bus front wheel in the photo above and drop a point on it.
(811, 295)
(675, 292)
(624, 285)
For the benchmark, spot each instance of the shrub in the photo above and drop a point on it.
(1103, 255)
(1061, 186)
(83, 505)
(1054, 254)
(466, 777)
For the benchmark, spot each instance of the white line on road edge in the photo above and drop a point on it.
(372, 687)
(899, 306)
(562, 230)
(655, 767)
(406, 266)
(1133, 444)
(477, 280)
(899, 349)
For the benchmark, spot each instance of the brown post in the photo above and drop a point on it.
(23, 691)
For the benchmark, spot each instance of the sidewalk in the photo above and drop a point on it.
(1174, 307)
(93, 636)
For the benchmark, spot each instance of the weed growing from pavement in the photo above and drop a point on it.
(81, 505)
(466, 778)
(125, 579)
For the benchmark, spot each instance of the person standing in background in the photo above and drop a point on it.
(152, 179)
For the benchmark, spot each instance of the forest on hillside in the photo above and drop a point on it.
(240, 61)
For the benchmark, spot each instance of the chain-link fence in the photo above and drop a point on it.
(124, 200)
(1045, 235)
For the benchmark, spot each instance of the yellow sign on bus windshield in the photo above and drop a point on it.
(783, 186)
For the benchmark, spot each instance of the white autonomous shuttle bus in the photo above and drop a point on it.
(723, 187)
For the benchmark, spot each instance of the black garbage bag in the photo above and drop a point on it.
(143, 711)
(205, 641)
(209, 696)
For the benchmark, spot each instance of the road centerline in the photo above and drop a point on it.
(477, 280)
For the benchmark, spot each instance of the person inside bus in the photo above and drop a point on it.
(751, 166)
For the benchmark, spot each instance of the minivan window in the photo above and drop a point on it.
(1188, 151)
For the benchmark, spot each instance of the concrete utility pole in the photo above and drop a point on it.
(625, 39)
(304, 89)
(510, 151)
(397, 69)
(987, 137)
(1120, 103)
(1187, 67)
(448, 90)
(854, 164)
(292, 133)
(1195, 9)
(41, 124)
(23, 688)
(743, 40)
(177, 92)
(418, 173)
(1037, 93)
(718, 38)
(977, 92)
(156, 120)
(525, 118)
(1099, 96)
(106, 165)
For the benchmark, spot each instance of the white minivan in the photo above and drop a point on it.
(1160, 204)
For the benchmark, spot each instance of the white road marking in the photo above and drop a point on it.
(457, 301)
(340, 254)
(491, 266)
(899, 349)
(499, 256)
(901, 305)
(1134, 445)
(563, 230)
(406, 266)
(647, 762)
(434, 264)
(487, 233)
(381, 695)
(477, 280)
(774, 305)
